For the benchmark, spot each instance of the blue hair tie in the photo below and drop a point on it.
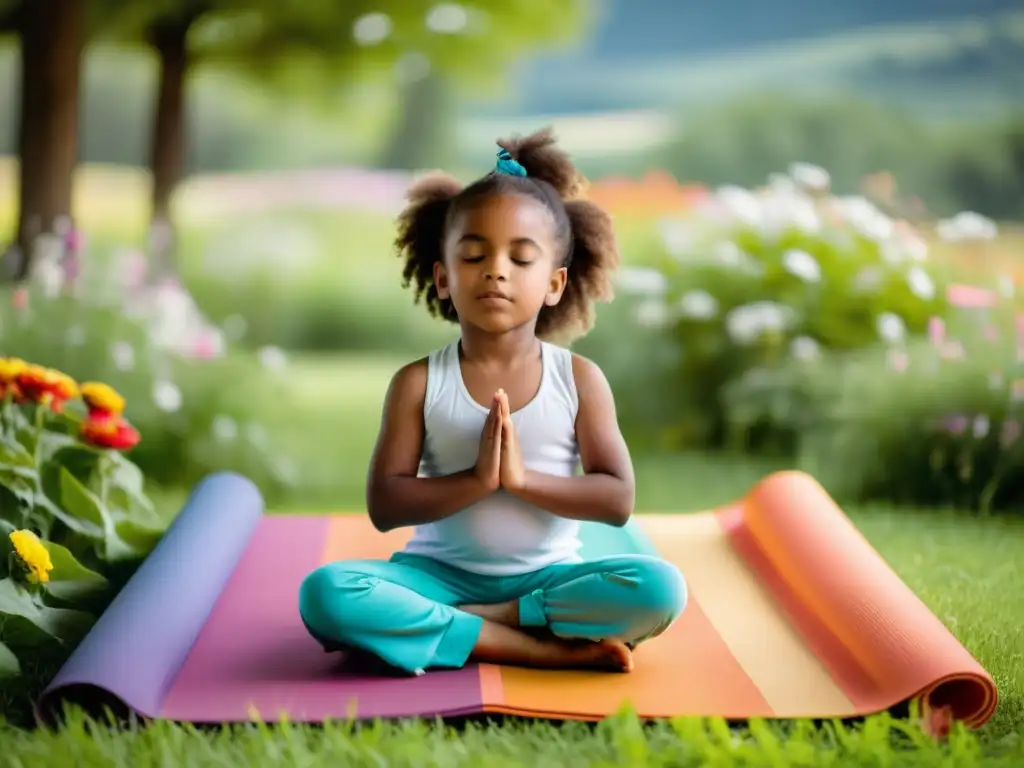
(508, 164)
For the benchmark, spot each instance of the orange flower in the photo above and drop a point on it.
(106, 430)
(46, 386)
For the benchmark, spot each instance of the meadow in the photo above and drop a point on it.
(321, 413)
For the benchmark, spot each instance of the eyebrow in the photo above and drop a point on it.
(471, 237)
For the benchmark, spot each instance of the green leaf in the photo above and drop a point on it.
(10, 668)
(14, 454)
(80, 460)
(87, 528)
(26, 622)
(55, 442)
(69, 579)
(80, 502)
(140, 538)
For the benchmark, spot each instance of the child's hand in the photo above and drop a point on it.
(488, 461)
(513, 473)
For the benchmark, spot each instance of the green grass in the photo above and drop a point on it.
(965, 569)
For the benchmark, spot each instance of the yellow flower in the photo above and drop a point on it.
(102, 397)
(32, 553)
(11, 368)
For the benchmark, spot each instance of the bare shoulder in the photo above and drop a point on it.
(590, 379)
(409, 383)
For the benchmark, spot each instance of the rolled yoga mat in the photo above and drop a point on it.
(792, 613)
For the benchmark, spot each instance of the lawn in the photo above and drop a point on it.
(955, 563)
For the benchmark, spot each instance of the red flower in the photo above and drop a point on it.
(106, 430)
(46, 386)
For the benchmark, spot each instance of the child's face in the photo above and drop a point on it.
(502, 263)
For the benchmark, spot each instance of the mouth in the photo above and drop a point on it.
(493, 296)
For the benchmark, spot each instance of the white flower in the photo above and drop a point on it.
(812, 177)
(781, 183)
(746, 323)
(782, 210)
(868, 279)
(728, 254)
(273, 358)
(802, 265)
(699, 305)
(967, 225)
(980, 427)
(652, 313)
(915, 247)
(225, 428)
(677, 236)
(447, 18)
(167, 396)
(643, 281)
(891, 328)
(920, 283)
(123, 355)
(372, 28)
(741, 204)
(863, 216)
(804, 348)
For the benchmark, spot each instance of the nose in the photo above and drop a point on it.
(496, 268)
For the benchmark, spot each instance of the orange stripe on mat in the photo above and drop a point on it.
(689, 670)
(792, 679)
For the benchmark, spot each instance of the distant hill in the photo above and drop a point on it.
(941, 58)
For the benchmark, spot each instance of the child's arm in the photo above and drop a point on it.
(395, 496)
(605, 492)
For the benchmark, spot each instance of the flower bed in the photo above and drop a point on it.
(73, 505)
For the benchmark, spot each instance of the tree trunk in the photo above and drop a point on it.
(52, 35)
(422, 136)
(167, 151)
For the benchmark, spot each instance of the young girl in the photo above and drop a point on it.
(480, 441)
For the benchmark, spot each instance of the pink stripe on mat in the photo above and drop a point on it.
(254, 655)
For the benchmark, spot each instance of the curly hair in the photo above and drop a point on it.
(584, 231)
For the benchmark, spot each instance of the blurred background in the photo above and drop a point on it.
(820, 205)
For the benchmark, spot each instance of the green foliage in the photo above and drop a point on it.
(216, 414)
(69, 511)
(943, 432)
(308, 282)
(747, 293)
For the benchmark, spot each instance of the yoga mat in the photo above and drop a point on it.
(792, 613)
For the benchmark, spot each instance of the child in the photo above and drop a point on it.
(480, 441)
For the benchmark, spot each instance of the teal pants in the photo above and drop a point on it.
(405, 610)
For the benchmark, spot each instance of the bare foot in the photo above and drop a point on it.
(612, 655)
(500, 644)
(500, 613)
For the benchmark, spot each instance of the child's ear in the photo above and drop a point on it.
(556, 287)
(441, 281)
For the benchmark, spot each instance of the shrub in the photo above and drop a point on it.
(935, 426)
(749, 290)
(308, 282)
(71, 505)
(198, 415)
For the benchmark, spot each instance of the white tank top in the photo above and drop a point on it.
(499, 535)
